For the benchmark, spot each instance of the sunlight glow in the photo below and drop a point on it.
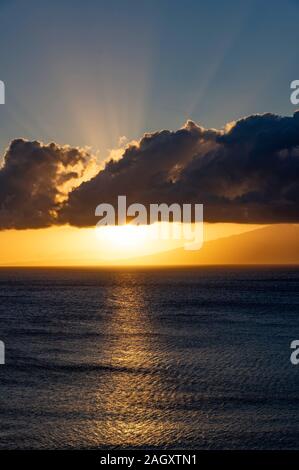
(71, 246)
(126, 237)
(131, 241)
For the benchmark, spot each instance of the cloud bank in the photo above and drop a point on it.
(247, 173)
(34, 180)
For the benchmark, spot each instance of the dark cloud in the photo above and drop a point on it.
(246, 173)
(33, 182)
(145, 173)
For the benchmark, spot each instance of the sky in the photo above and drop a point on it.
(100, 75)
(91, 75)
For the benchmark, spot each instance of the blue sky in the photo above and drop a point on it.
(89, 73)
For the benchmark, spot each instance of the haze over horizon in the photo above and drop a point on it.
(273, 245)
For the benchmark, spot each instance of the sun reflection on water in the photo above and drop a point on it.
(133, 388)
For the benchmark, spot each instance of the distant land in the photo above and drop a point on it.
(277, 244)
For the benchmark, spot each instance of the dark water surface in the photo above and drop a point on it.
(184, 358)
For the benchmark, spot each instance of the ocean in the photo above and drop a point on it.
(149, 358)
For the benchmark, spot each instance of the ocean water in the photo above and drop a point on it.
(145, 358)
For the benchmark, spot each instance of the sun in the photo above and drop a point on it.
(125, 237)
(131, 241)
(124, 241)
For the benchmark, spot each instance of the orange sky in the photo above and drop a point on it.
(69, 246)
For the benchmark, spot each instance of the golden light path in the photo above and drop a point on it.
(130, 398)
